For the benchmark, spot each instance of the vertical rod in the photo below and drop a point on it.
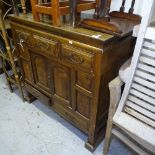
(55, 12)
(73, 12)
(10, 55)
(122, 8)
(131, 10)
(97, 9)
(23, 6)
(102, 8)
(108, 4)
(15, 7)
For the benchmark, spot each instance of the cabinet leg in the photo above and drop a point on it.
(1, 71)
(91, 146)
(10, 86)
(29, 97)
(21, 92)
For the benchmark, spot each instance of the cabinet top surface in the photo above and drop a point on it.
(64, 30)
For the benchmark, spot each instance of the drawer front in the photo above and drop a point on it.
(23, 36)
(77, 56)
(46, 45)
(23, 40)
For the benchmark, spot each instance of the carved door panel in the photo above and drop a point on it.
(60, 83)
(83, 103)
(26, 70)
(84, 85)
(40, 70)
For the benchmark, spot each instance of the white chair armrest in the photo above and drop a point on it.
(124, 71)
(115, 94)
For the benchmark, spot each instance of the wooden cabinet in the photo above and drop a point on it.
(70, 70)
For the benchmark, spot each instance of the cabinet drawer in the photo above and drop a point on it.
(46, 45)
(23, 36)
(77, 56)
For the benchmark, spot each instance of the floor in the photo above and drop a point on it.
(34, 129)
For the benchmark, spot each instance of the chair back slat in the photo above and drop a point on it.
(144, 82)
(147, 60)
(148, 53)
(141, 110)
(141, 117)
(146, 68)
(149, 45)
(145, 89)
(145, 75)
(141, 98)
(122, 8)
(131, 10)
(141, 103)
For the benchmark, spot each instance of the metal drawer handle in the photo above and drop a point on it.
(76, 59)
(21, 44)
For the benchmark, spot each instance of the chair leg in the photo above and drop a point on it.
(108, 138)
(115, 94)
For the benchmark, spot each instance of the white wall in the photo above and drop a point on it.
(138, 5)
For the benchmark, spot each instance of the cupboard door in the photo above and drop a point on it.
(83, 87)
(83, 104)
(61, 83)
(26, 71)
(40, 70)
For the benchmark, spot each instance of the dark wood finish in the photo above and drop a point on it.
(1, 70)
(115, 22)
(69, 70)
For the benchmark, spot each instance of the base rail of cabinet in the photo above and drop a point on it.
(29, 97)
(33, 94)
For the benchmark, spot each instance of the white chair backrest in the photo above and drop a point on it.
(141, 99)
(138, 97)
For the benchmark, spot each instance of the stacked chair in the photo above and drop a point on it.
(132, 118)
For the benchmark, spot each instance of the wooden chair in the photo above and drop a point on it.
(133, 119)
(23, 6)
(115, 22)
(57, 8)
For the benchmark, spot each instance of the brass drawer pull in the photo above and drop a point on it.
(76, 59)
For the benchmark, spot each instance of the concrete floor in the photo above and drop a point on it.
(34, 129)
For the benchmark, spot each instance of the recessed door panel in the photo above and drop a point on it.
(40, 69)
(61, 82)
(83, 104)
(84, 80)
(26, 71)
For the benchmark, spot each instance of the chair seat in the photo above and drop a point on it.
(142, 133)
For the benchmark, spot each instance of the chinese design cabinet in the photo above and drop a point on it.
(69, 69)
